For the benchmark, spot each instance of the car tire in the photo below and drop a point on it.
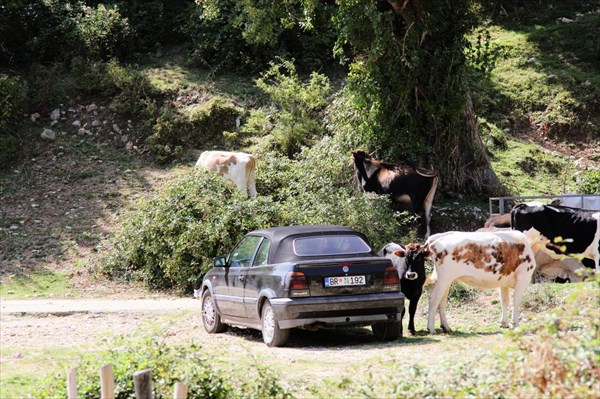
(387, 331)
(210, 316)
(273, 336)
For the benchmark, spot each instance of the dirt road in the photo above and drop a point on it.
(33, 332)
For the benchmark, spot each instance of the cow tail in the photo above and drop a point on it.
(432, 190)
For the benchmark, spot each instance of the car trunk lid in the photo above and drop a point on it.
(347, 276)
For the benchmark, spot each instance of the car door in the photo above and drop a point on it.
(238, 263)
(255, 278)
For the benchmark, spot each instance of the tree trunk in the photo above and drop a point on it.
(464, 165)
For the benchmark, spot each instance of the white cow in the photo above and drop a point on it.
(500, 259)
(235, 166)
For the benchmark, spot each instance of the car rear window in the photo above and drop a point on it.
(330, 245)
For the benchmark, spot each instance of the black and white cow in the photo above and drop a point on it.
(578, 230)
(403, 183)
(410, 264)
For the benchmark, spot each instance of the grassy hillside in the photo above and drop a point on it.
(537, 102)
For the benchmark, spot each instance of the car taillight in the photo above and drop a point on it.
(391, 281)
(296, 283)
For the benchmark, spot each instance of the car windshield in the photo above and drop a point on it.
(330, 245)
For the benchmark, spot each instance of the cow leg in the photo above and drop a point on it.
(437, 294)
(443, 321)
(428, 203)
(412, 309)
(504, 300)
(252, 187)
(520, 287)
(401, 318)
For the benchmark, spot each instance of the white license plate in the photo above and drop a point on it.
(344, 281)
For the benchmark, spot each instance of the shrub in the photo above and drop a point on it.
(103, 32)
(12, 103)
(296, 122)
(210, 119)
(169, 363)
(589, 182)
(556, 357)
(12, 100)
(134, 91)
(168, 241)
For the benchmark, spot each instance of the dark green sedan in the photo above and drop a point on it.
(307, 277)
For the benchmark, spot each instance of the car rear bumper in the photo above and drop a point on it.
(338, 310)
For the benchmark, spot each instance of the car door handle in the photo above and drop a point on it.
(241, 278)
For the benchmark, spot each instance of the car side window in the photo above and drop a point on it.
(243, 253)
(262, 256)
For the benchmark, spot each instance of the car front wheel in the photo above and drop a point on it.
(210, 317)
(273, 336)
(387, 331)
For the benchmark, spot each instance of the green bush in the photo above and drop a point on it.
(12, 103)
(589, 182)
(12, 100)
(297, 121)
(210, 119)
(168, 241)
(555, 357)
(169, 363)
(103, 32)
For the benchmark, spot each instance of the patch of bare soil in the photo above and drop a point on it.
(308, 359)
(575, 144)
(57, 206)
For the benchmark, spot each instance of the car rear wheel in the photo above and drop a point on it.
(387, 331)
(210, 317)
(272, 334)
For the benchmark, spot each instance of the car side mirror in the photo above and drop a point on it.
(219, 261)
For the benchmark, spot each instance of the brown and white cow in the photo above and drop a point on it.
(403, 183)
(235, 166)
(501, 259)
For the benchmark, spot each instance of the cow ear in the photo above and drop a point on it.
(400, 253)
(427, 251)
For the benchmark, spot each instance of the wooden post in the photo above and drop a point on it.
(142, 383)
(72, 384)
(180, 390)
(107, 382)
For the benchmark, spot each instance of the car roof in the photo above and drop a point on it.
(280, 233)
(281, 239)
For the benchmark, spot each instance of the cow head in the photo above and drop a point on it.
(360, 155)
(415, 255)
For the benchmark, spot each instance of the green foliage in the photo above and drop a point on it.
(492, 135)
(169, 363)
(460, 293)
(12, 103)
(556, 357)
(589, 182)
(296, 122)
(134, 93)
(254, 131)
(168, 241)
(210, 119)
(482, 53)
(104, 33)
(244, 35)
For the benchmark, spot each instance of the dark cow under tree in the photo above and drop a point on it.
(403, 183)
(410, 264)
(577, 229)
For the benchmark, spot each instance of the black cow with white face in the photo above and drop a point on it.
(410, 263)
(403, 183)
(577, 229)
